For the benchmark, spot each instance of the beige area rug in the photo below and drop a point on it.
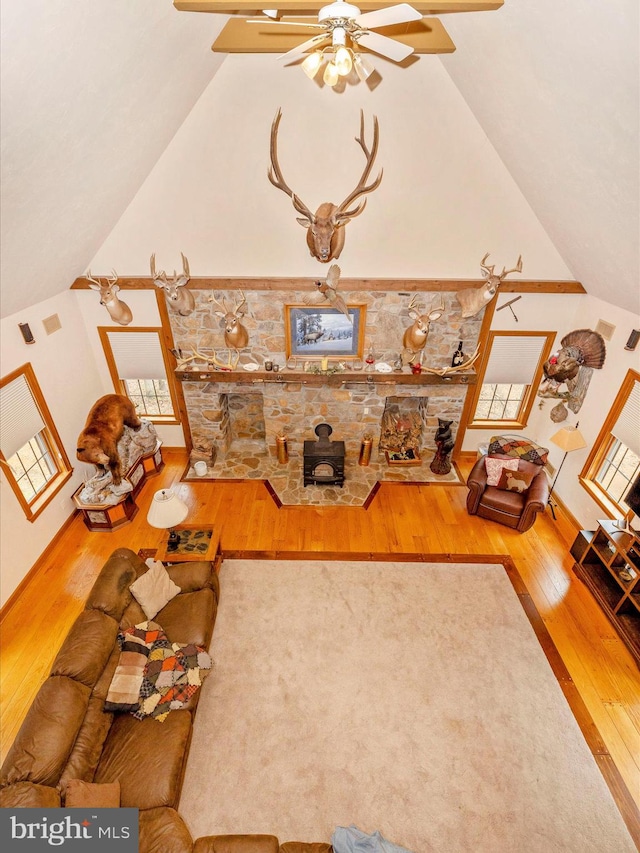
(412, 698)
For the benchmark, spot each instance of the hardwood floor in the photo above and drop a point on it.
(424, 519)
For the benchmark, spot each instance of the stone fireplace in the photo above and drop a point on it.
(225, 407)
(222, 411)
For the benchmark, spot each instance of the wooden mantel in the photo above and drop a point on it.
(373, 285)
(333, 380)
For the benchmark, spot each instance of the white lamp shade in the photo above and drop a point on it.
(166, 510)
(569, 438)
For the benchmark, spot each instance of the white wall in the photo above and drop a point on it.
(66, 372)
(144, 308)
(444, 201)
(564, 313)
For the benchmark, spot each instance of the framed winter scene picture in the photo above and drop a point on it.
(317, 332)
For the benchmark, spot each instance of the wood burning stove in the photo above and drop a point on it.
(323, 460)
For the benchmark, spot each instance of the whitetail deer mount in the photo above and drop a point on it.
(325, 227)
(108, 290)
(236, 335)
(178, 297)
(474, 299)
(415, 336)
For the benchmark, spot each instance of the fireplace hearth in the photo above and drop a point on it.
(323, 460)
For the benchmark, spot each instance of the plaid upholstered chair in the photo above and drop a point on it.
(509, 484)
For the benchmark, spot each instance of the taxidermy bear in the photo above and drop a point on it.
(98, 441)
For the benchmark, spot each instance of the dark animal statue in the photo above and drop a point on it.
(98, 441)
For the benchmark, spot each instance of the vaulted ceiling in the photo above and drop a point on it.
(92, 94)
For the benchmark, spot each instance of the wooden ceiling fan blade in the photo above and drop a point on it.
(389, 48)
(425, 36)
(399, 14)
(304, 47)
(268, 21)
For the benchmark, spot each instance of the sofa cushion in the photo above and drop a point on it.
(189, 618)
(162, 830)
(110, 593)
(194, 575)
(154, 589)
(88, 745)
(496, 465)
(79, 794)
(25, 795)
(87, 647)
(519, 448)
(46, 737)
(501, 501)
(305, 847)
(515, 481)
(147, 758)
(236, 844)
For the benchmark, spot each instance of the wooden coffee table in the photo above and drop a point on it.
(197, 542)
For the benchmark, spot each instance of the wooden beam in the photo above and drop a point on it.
(237, 36)
(293, 7)
(396, 285)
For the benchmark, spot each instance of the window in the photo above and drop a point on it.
(139, 368)
(31, 453)
(508, 378)
(614, 461)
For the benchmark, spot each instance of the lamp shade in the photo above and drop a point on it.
(166, 510)
(569, 438)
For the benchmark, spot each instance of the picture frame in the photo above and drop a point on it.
(335, 337)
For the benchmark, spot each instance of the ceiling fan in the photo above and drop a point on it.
(341, 21)
(339, 24)
(341, 29)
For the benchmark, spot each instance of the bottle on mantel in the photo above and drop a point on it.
(458, 356)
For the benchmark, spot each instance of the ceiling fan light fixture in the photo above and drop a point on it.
(312, 63)
(363, 67)
(343, 61)
(331, 75)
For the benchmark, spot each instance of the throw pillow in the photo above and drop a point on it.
(154, 589)
(515, 481)
(520, 448)
(495, 466)
(135, 645)
(92, 795)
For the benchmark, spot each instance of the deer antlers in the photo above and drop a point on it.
(325, 237)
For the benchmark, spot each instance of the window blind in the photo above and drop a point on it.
(20, 417)
(627, 428)
(138, 355)
(514, 359)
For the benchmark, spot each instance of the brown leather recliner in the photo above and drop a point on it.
(510, 508)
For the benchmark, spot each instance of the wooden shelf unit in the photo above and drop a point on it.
(610, 552)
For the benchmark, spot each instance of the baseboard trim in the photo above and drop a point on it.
(35, 568)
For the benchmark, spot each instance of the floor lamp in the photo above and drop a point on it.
(568, 438)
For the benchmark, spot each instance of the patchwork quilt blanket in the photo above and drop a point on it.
(169, 674)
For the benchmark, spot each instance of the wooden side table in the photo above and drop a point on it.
(197, 542)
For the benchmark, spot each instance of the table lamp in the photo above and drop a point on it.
(568, 438)
(165, 512)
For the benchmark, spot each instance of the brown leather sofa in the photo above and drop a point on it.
(67, 734)
(513, 509)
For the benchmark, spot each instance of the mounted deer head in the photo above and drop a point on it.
(179, 298)
(325, 234)
(415, 336)
(474, 299)
(235, 334)
(118, 310)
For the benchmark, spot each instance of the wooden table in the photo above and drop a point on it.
(197, 542)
